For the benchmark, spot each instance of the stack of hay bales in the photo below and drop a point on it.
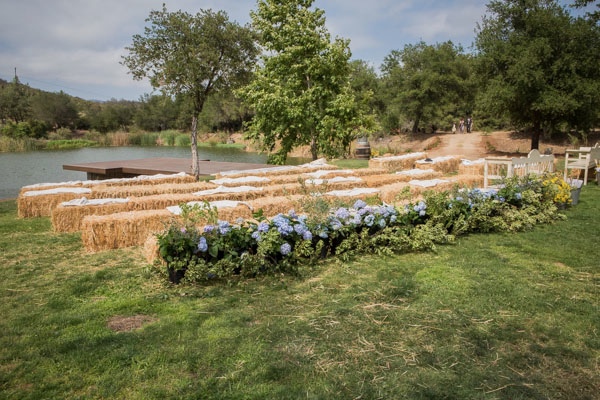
(39, 200)
(396, 163)
(445, 164)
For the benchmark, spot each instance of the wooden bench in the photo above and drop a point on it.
(583, 158)
(504, 167)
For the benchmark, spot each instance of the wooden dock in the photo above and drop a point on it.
(153, 166)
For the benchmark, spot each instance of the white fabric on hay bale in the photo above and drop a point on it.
(428, 183)
(337, 179)
(225, 189)
(105, 181)
(84, 201)
(218, 204)
(59, 190)
(402, 157)
(241, 179)
(416, 172)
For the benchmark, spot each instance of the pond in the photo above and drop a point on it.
(20, 169)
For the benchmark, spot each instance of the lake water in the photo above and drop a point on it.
(20, 169)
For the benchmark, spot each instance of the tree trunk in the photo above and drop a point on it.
(415, 127)
(195, 157)
(313, 148)
(535, 136)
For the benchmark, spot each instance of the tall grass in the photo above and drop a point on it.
(501, 316)
(16, 145)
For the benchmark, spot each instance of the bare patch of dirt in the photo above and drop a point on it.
(467, 145)
(130, 323)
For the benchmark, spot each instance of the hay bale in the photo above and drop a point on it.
(40, 203)
(445, 164)
(278, 170)
(126, 229)
(101, 192)
(394, 192)
(355, 193)
(132, 228)
(396, 163)
(468, 167)
(418, 173)
(67, 216)
(374, 181)
(138, 180)
(150, 251)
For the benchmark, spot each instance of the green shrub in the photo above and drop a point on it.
(285, 242)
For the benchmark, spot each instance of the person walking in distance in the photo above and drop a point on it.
(469, 124)
(461, 125)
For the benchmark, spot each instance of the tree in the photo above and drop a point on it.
(301, 93)
(538, 65)
(15, 102)
(192, 56)
(428, 83)
(55, 109)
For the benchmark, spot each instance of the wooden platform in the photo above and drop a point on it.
(153, 166)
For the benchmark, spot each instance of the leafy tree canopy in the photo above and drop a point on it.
(301, 93)
(193, 56)
(538, 65)
(428, 83)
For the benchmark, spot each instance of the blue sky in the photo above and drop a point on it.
(76, 46)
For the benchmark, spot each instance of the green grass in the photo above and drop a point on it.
(63, 144)
(505, 316)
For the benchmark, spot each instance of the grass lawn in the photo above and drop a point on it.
(497, 316)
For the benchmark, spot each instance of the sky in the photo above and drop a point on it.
(77, 45)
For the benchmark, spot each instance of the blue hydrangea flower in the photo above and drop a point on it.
(382, 223)
(342, 213)
(256, 236)
(285, 249)
(369, 220)
(209, 228)
(202, 244)
(307, 235)
(359, 204)
(300, 229)
(263, 227)
(224, 227)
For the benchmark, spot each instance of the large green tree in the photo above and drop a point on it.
(427, 83)
(539, 65)
(301, 93)
(192, 56)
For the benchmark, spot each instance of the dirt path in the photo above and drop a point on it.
(468, 145)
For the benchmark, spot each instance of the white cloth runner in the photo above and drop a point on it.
(218, 204)
(225, 189)
(427, 183)
(352, 192)
(337, 179)
(103, 181)
(242, 179)
(84, 201)
(60, 190)
(402, 157)
(416, 172)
